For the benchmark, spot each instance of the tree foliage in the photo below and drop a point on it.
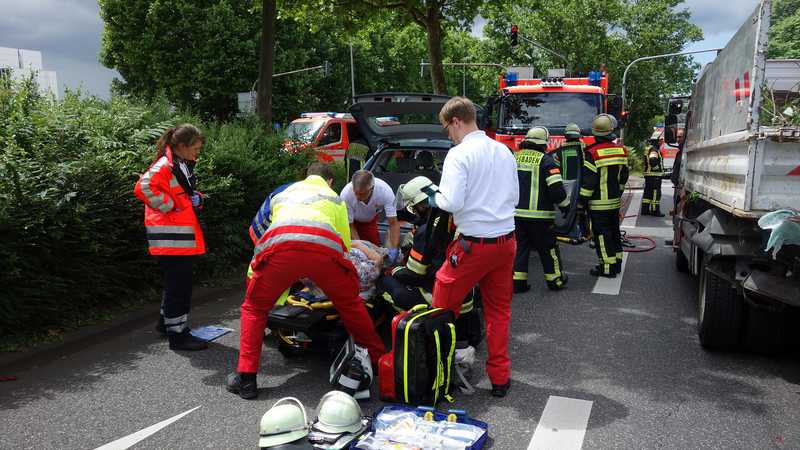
(784, 33)
(591, 33)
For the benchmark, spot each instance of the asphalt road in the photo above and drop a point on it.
(635, 356)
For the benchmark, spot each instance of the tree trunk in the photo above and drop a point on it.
(433, 25)
(269, 10)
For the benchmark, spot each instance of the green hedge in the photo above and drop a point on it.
(71, 232)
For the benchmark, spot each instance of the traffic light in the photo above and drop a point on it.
(514, 38)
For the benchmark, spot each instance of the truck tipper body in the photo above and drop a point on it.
(734, 170)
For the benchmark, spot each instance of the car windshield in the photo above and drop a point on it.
(304, 131)
(549, 109)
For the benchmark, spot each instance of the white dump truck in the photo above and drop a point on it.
(740, 162)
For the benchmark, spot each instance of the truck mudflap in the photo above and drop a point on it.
(771, 286)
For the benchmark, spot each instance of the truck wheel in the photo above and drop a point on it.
(720, 311)
(681, 263)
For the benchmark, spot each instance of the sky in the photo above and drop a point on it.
(68, 34)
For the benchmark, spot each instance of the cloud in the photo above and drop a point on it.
(719, 16)
(68, 34)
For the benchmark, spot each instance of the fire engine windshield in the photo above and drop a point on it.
(520, 112)
(304, 131)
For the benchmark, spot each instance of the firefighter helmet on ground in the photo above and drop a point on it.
(338, 412)
(285, 422)
(603, 125)
(572, 131)
(538, 135)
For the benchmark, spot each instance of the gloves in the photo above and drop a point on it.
(393, 253)
(196, 199)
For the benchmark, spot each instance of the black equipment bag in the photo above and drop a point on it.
(425, 341)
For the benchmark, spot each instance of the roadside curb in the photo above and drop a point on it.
(79, 339)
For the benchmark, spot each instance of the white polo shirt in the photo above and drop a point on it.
(479, 186)
(382, 199)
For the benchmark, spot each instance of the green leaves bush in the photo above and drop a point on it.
(71, 232)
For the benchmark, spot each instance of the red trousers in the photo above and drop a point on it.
(491, 265)
(368, 231)
(334, 275)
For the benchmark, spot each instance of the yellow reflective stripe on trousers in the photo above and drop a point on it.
(523, 276)
(450, 361)
(606, 259)
(556, 263)
(604, 205)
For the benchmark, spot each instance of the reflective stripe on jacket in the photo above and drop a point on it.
(567, 157)
(169, 218)
(605, 172)
(309, 216)
(540, 186)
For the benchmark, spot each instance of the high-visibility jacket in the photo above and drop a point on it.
(540, 186)
(653, 162)
(568, 157)
(604, 174)
(169, 218)
(308, 216)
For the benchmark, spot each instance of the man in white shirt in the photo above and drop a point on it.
(365, 197)
(479, 187)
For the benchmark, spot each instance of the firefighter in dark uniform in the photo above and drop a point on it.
(653, 171)
(568, 155)
(603, 178)
(540, 191)
(412, 284)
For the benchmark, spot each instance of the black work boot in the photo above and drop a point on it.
(598, 272)
(500, 390)
(521, 287)
(185, 341)
(559, 283)
(243, 384)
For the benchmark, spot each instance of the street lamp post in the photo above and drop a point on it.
(646, 58)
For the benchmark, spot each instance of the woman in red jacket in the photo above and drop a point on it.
(173, 231)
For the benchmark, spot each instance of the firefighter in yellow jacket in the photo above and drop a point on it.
(653, 172)
(541, 190)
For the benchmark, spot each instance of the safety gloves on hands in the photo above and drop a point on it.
(197, 199)
(393, 254)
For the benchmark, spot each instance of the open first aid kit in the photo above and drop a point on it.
(422, 428)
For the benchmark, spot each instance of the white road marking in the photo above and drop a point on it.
(611, 286)
(562, 425)
(132, 439)
(635, 203)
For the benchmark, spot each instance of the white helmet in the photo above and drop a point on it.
(285, 422)
(412, 192)
(338, 412)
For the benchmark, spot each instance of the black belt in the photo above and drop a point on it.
(489, 240)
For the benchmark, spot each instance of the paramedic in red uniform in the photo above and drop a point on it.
(479, 187)
(173, 231)
(308, 237)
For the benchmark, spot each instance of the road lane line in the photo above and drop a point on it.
(132, 439)
(562, 425)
